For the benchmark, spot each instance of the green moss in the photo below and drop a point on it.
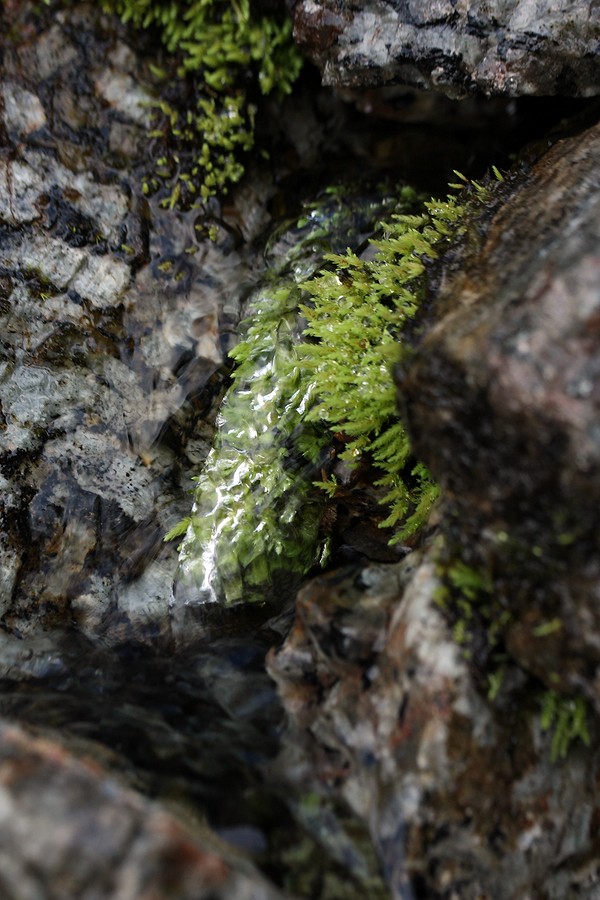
(357, 312)
(566, 718)
(477, 617)
(232, 54)
(314, 369)
(479, 621)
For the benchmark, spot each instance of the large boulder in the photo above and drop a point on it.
(508, 47)
(432, 693)
(67, 829)
(502, 401)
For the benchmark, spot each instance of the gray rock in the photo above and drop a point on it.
(109, 314)
(22, 188)
(53, 51)
(23, 112)
(507, 47)
(123, 94)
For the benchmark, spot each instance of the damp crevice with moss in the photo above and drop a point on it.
(313, 388)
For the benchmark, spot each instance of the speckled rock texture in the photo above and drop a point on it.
(111, 309)
(503, 402)
(69, 830)
(506, 47)
(460, 794)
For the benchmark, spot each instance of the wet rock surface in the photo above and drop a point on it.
(110, 319)
(503, 404)
(513, 48)
(460, 795)
(116, 314)
(397, 776)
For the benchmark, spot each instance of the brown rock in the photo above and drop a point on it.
(68, 830)
(503, 403)
(460, 795)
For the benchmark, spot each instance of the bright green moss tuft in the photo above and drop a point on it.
(232, 54)
(566, 718)
(355, 320)
(314, 370)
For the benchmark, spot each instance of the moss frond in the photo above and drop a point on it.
(566, 718)
(355, 317)
(229, 51)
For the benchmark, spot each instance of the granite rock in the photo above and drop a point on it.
(460, 794)
(514, 48)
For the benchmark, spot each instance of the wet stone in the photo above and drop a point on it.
(110, 323)
(460, 795)
(55, 261)
(103, 281)
(396, 770)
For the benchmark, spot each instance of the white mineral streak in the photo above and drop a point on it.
(122, 93)
(23, 112)
(426, 631)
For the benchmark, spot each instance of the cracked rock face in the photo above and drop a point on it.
(502, 47)
(110, 312)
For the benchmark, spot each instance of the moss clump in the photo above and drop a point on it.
(355, 318)
(477, 617)
(358, 310)
(233, 56)
(257, 513)
(315, 370)
(566, 718)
